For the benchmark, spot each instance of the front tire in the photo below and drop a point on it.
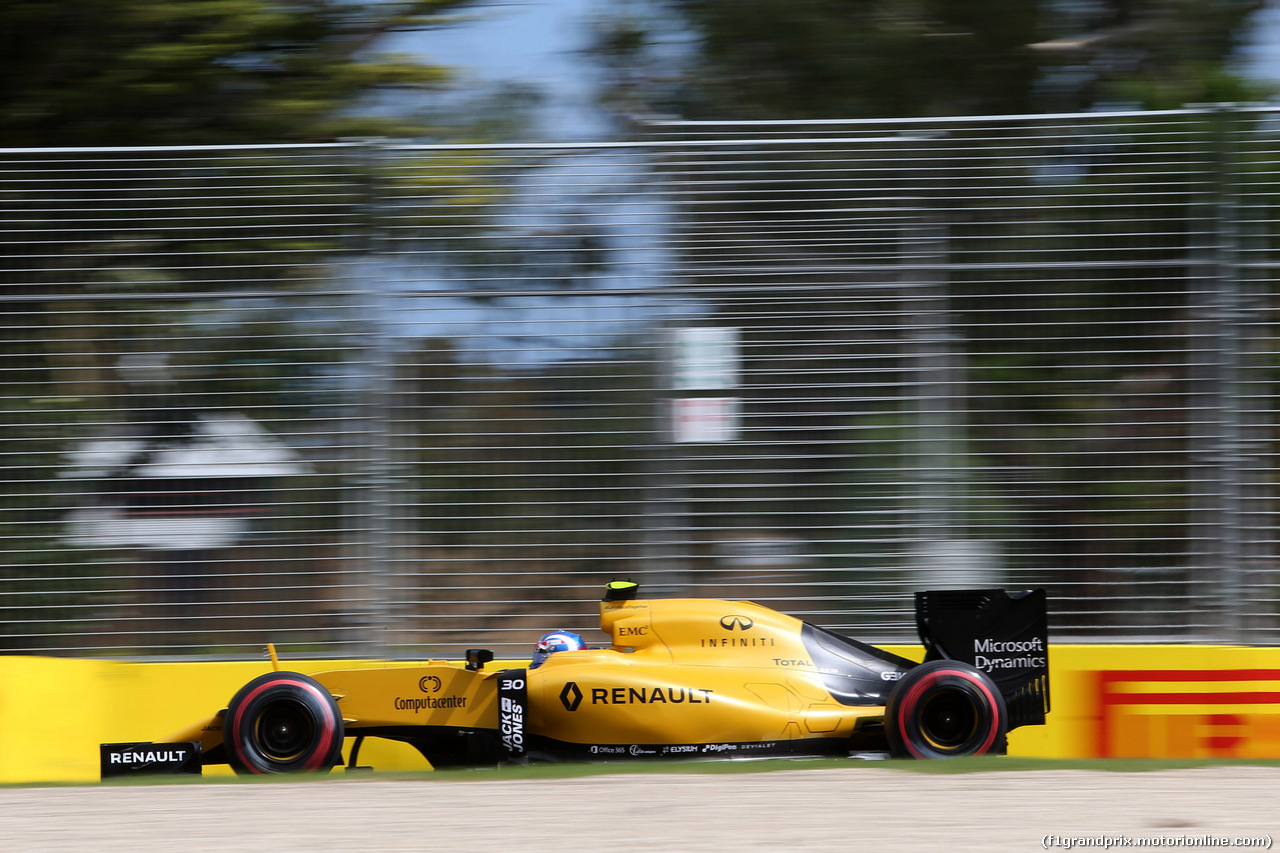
(283, 722)
(945, 709)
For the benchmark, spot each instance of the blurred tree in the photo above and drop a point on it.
(768, 59)
(149, 72)
(122, 72)
(1156, 54)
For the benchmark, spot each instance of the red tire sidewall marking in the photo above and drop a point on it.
(929, 680)
(328, 725)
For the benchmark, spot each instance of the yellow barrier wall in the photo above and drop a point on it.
(54, 713)
(1108, 701)
(1160, 702)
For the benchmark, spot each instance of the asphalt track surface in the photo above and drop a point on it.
(873, 807)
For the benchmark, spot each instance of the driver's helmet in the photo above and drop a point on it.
(556, 641)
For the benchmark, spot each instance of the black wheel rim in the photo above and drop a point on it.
(949, 720)
(284, 730)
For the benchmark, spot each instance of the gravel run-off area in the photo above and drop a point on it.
(872, 807)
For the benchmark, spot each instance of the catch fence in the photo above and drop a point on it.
(396, 399)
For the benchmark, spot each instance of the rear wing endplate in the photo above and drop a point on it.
(1004, 635)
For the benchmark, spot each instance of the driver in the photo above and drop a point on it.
(556, 641)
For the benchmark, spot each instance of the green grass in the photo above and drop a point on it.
(570, 770)
(959, 765)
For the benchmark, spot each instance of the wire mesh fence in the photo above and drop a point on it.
(394, 399)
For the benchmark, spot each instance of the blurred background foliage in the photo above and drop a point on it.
(137, 262)
(147, 72)
(788, 59)
(106, 72)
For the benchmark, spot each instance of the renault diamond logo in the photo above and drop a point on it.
(571, 697)
(735, 623)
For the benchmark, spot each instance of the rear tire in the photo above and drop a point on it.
(283, 722)
(945, 709)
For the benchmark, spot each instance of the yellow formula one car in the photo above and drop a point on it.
(681, 678)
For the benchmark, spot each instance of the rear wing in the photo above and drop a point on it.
(1004, 635)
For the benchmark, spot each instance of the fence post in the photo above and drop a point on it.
(376, 619)
(1225, 317)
